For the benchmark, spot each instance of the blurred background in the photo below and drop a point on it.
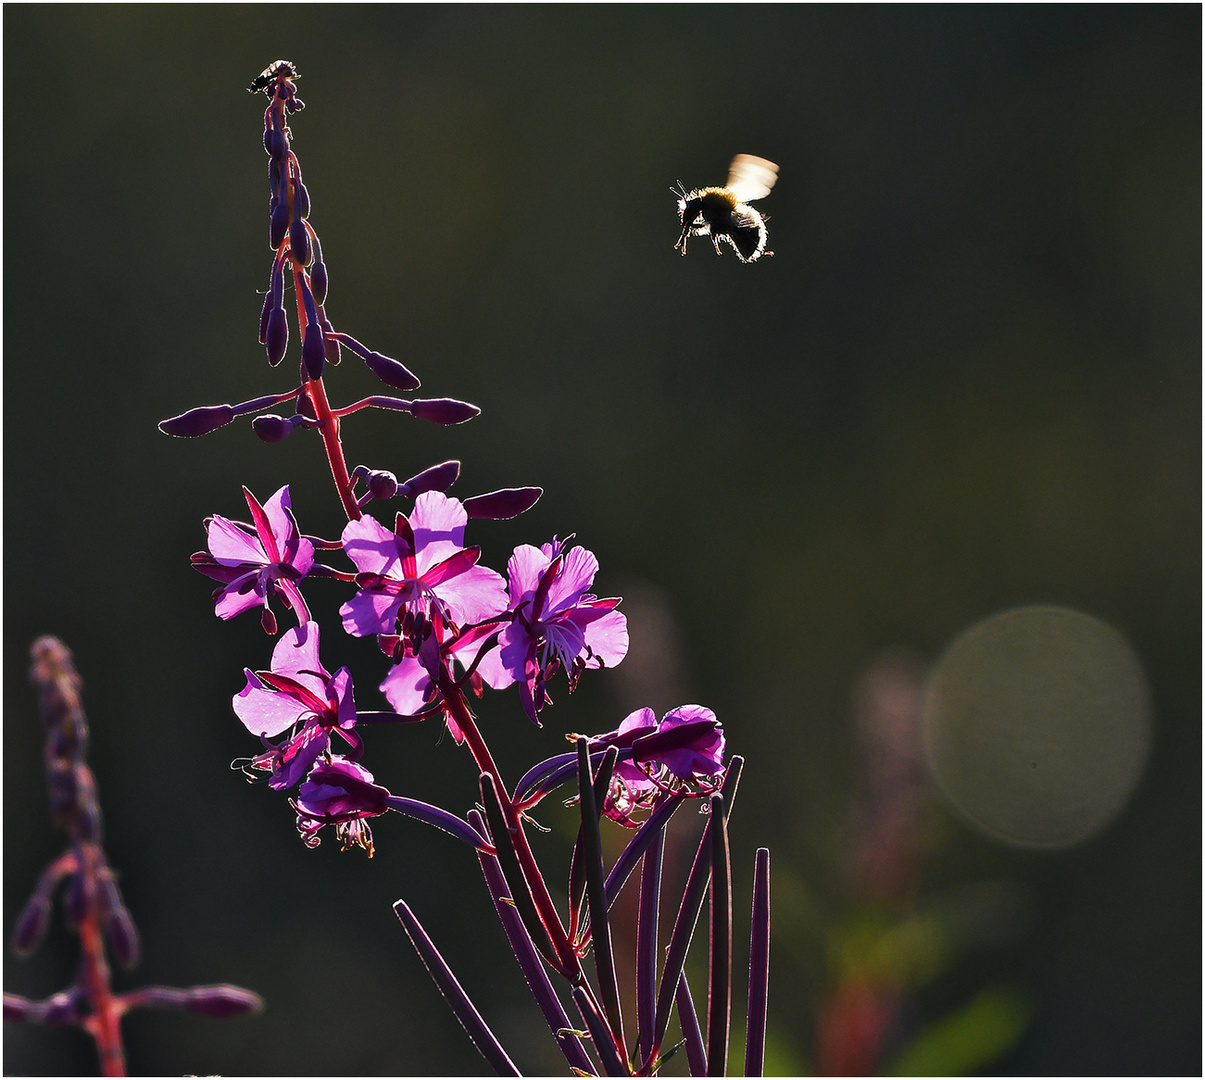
(968, 381)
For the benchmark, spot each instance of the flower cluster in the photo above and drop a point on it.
(449, 626)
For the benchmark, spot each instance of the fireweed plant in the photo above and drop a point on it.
(92, 900)
(449, 627)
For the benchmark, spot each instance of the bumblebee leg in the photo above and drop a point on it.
(681, 244)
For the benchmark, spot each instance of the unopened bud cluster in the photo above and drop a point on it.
(91, 898)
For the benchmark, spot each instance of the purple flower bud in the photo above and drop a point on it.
(318, 279)
(334, 355)
(503, 504)
(301, 200)
(436, 478)
(275, 145)
(443, 410)
(313, 350)
(32, 924)
(278, 225)
(198, 421)
(277, 336)
(272, 428)
(265, 311)
(382, 485)
(299, 241)
(391, 372)
(223, 1000)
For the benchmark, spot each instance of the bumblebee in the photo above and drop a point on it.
(269, 75)
(724, 213)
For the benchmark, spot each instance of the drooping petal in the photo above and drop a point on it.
(407, 686)
(297, 756)
(267, 712)
(372, 547)
(339, 687)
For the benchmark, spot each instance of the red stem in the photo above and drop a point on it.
(104, 1025)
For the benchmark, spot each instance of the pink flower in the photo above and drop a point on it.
(420, 570)
(254, 562)
(300, 696)
(555, 623)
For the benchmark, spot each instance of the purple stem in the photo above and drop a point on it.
(508, 860)
(759, 967)
(466, 1012)
(612, 1063)
(696, 1054)
(529, 960)
(646, 944)
(719, 993)
(591, 851)
(441, 819)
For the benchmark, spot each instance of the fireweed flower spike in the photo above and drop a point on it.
(256, 563)
(298, 695)
(556, 623)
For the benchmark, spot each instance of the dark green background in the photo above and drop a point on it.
(968, 379)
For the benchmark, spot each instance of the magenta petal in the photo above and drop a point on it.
(642, 721)
(266, 712)
(475, 595)
(607, 639)
(232, 546)
(372, 547)
(370, 612)
(406, 686)
(524, 570)
(297, 652)
(575, 577)
(438, 525)
(340, 688)
(235, 599)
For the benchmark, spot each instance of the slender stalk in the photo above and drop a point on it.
(529, 959)
(696, 1052)
(759, 967)
(719, 995)
(328, 428)
(600, 926)
(449, 986)
(612, 1063)
(646, 944)
(637, 846)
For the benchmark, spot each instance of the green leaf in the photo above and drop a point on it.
(968, 1040)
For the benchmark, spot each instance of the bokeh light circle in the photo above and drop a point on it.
(1037, 725)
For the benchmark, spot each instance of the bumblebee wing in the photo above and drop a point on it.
(751, 177)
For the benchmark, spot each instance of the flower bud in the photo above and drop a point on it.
(278, 225)
(119, 927)
(264, 313)
(318, 280)
(443, 410)
(436, 478)
(503, 504)
(301, 200)
(272, 428)
(64, 1008)
(391, 372)
(299, 241)
(32, 924)
(275, 144)
(223, 1000)
(334, 355)
(198, 421)
(276, 338)
(382, 485)
(79, 896)
(313, 350)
